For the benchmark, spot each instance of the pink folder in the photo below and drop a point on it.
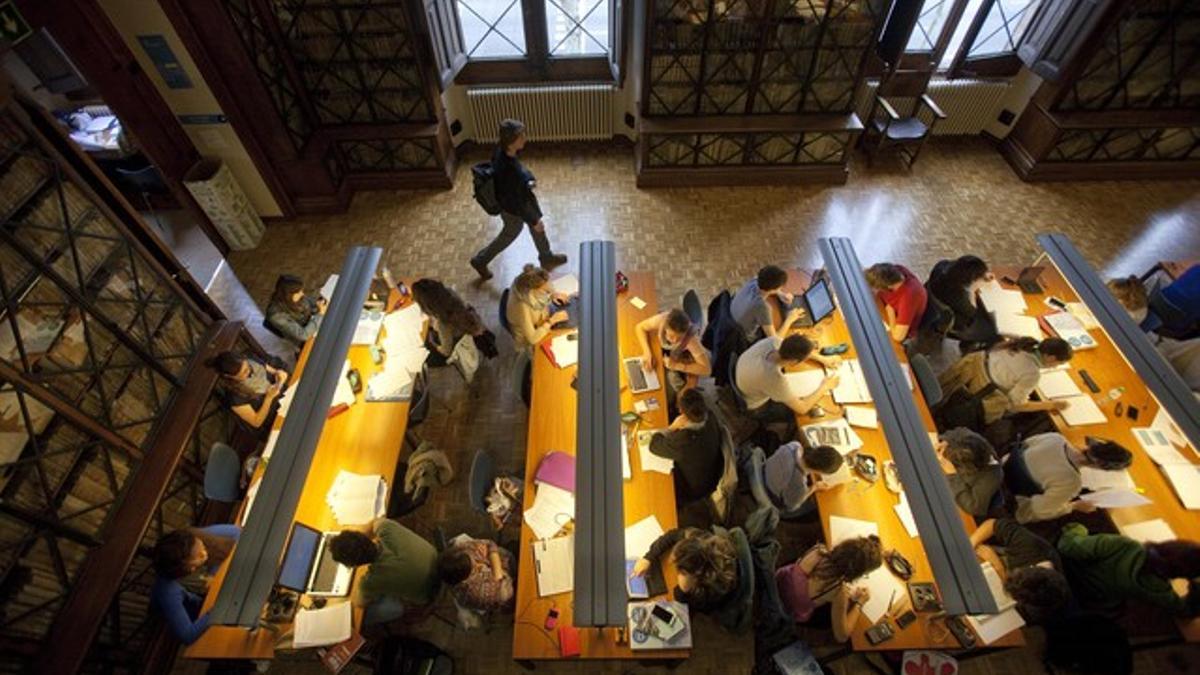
(557, 469)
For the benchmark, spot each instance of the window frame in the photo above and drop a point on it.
(1004, 64)
(538, 65)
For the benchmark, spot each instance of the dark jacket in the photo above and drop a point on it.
(958, 298)
(514, 187)
(697, 456)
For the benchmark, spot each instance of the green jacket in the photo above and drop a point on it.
(1108, 568)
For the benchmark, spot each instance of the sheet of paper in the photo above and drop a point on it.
(907, 370)
(836, 433)
(804, 383)
(904, 512)
(1157, 446)
(554, 561)
(1164, 423)
(649, 460)
(1085, 316)
(1186, 481)
(862, 417)
(366, 331)
(329, 287)
(637, 302)
(553, 507)
(626, 468)
(1070, 329)
(992, 627)
(1081, 411)
(411, 359)
(1057, 384)
(272, 439)
(1018, 325)
(566, 349)
(284, 400)
(393, 383)
(357, 499)
(251, 493)
(842, 475)
(1002, 300)
(343, 393)
(1098, 479)
(567, 284)
(1115, 499)
(326, 626)
(842, 528)
(640, 535)
(884, 588)
(407, 323)
(1148, 531)
(852, 385)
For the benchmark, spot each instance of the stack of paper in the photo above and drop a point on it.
(553, 507)
(326, 626)
(1164, 423)
(366, 332)
(1158, 446)
(554, 565)
(1149, 531)
(904, 512)
(251, 494)
(649, 460)
(403, 328)
(393, 383)
(842, 528)
(852, 385)
(859, 416)
(1082, 410)
(992, 627)
(1018, 325)
(357, 499)
(272, 439)
(565, 349)
(1185, 478)
(640, 535)
(626, 468)
(804, 383)
(1085, 316)
(835, 433)
(328, 288)
(1070, 329)
(1057, 384)
(1000, 300)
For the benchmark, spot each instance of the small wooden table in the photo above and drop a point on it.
(873, 502)
(1110, 370)
(365, 439)
(552, 419)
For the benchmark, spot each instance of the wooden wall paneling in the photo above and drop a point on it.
(84, 32)
(96, 582)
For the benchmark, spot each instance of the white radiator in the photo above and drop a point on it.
(970, 105)
(562, 112)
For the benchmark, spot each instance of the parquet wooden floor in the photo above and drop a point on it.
(960, 198)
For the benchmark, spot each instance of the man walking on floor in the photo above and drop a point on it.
(514, 190)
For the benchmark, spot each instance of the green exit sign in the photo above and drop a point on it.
(13, 26)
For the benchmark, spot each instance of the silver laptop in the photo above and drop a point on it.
(308, 566)
(640, 380)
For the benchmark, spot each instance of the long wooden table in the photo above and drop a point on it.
(1108, 367)
(366, 439)
(875, 503)
(552, 418)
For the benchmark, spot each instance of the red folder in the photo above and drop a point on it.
(568, 641)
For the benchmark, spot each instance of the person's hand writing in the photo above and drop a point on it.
(647, 361)
(640, 567)
(273, 391)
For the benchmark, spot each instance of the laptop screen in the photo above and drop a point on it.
(820, 302)
(298, 559)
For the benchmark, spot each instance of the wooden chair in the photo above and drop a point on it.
(888, 128)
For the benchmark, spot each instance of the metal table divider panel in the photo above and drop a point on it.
(600, 595)
(960, 579)
(1160, 378)
(252, 570)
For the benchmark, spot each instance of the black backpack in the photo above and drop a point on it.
(485, 187)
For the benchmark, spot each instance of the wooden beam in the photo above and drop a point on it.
(98, 579)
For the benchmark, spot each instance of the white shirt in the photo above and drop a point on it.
(1047, 457)
(759, 375)
(1016, 373)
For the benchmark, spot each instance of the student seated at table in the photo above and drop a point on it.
(291, 313)
(822, 576)
(1183, 355)
(401, 565)
(1010, 370)
(248, 386)
(972, 470)
(955, 283)
(180, 554)
(760, 378)
(450, 319)
(530, 309)
(794, 472)
(1107, 569)
(713, 568)
(1029, 566)
(693, 442)
(479, 574)
(1043, 473)
(750, 306)
(902, 295)
(684, 358)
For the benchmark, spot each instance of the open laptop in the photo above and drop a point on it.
(640, 381)
(816, 301)
(308, 565)
(1027, 280)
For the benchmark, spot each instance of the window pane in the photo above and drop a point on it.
(492, 28)
(929, 25)
(577, 27)
(1003, 27)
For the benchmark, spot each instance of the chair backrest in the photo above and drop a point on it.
(691, 307)
(926, 379)
(905, 83)
(272, 329)
(222, 473)
(483, 474)
(504, 312)
(418, 409)
(1168, 313)
(737, 393)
